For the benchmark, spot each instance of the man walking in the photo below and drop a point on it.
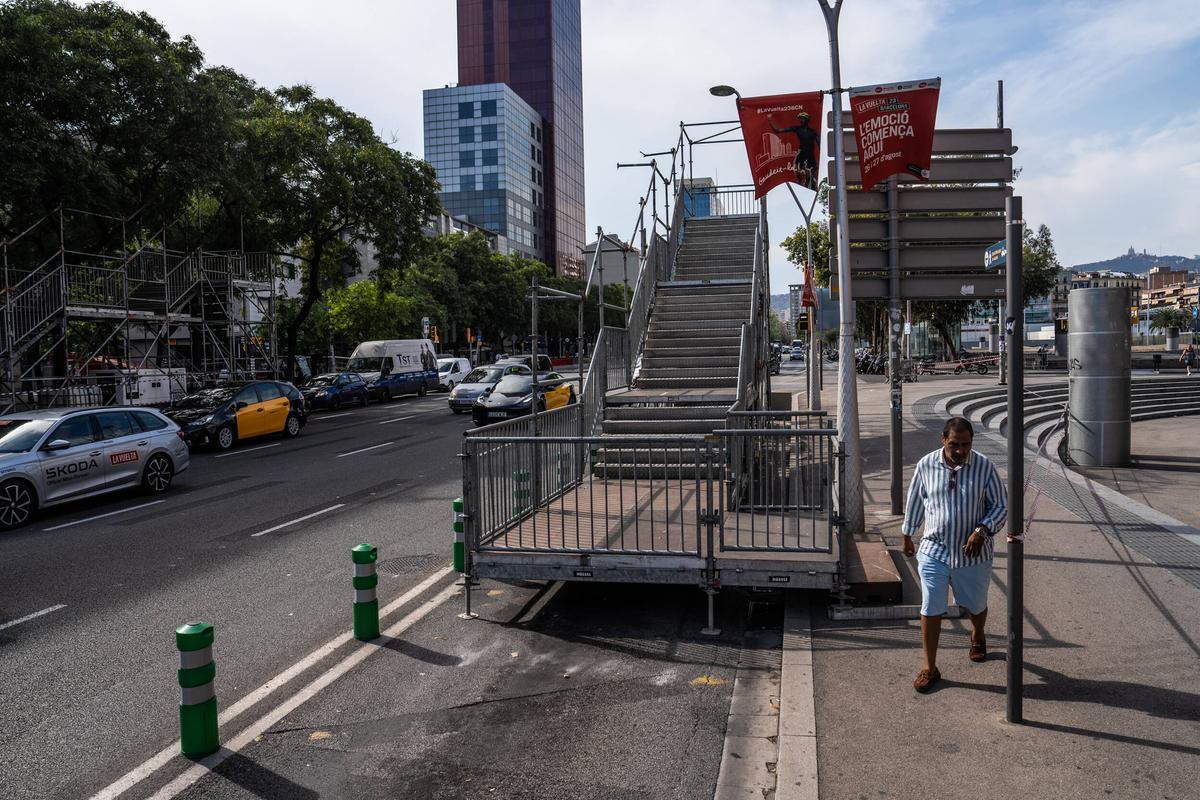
(1188, 358)
(959, 496)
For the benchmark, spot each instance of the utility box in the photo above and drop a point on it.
(1098, 425)
(150, 387)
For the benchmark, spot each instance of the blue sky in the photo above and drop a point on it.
(1102, 95)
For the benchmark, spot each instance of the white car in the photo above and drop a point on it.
(63, 454)
(463, 397)
(451, 372)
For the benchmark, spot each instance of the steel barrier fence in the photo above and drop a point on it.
(651, 495)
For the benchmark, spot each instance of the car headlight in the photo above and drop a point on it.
(524, 401)
(202, 421)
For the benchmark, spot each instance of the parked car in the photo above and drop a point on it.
(223, 415)
(512, 396)
(451, 371)
(395, 367)
(797, 353)
(336, 389)
(478, 381)
(543, 360)
(57, 455)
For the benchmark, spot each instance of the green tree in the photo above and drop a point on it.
(797, 250)
(775, 329)
(364, 311)
(329, 181)
(1163, 319)
(1040, 265)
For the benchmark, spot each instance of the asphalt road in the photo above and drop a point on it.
(89, 687)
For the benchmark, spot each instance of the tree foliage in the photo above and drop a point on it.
(1163, 319)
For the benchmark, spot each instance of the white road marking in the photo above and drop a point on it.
(329, 416)
(171, 752)
(299, 519)
(397, 419)
(34, 615)
(102, 516)
(248, 450)
(364, 449)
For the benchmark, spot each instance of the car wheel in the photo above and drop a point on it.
(156, 478)
(225, 438)
(17, 504)
(365, 399)
(421, 389)
(337, 402)
(571, 397)
(291, 428)
(457, 410)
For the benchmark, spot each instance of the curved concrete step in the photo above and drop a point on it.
(663, 426)
(650, 363)
(644, 412)
(686, 383)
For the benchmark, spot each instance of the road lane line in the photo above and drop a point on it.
(299, 519)
(365, 449)
(248, 450)
(102, 516)
(34, 615)
(398, 419)
(315, 418)
(171, 751)
(268, 720)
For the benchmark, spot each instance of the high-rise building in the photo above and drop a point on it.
(535, 48)
(486, 143)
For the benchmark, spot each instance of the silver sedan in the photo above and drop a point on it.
(59, 455)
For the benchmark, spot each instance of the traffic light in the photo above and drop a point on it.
(433, 334)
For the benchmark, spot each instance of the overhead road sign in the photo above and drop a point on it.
(961, 259)
(947, 141)
(931, 287)
(930, 229)
(996, 256)
(948, 170)
(916, 198)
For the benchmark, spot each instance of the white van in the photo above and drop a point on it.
(451, 371)
(395, 366)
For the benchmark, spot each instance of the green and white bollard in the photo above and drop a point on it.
(366, 604)
(521, 493)
(460, 554)
(198, 735)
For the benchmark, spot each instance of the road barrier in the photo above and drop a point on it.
(198, 735)
(366, 604)
(459, 548)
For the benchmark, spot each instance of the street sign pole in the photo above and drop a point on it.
(814, 347)
(1014, 332)
(847, 410)
(897, 432)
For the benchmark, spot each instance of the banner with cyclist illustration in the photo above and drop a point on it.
(893, 125)
(783, 138)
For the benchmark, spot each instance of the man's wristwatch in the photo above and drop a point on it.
(986, 531)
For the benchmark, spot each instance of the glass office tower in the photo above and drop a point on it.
(535, 47)
(486, 144)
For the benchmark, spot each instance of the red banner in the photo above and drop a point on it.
(807, 298)
(783, 139)
(894, 128)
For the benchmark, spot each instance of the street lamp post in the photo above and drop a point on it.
(847, 411)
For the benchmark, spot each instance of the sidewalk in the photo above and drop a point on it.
(1111, 655)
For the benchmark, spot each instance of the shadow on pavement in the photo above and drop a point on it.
(417, 652)
(260, 781)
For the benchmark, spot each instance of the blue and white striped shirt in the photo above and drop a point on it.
(978, 498)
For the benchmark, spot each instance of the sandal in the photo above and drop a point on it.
(926, 679)
(978, 652)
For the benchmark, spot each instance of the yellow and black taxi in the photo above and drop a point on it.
(223, 415)
(513, 396)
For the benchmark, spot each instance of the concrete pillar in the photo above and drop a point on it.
(1061, 344)
(1098, 429)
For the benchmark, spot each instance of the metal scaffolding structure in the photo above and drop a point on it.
(83, 328)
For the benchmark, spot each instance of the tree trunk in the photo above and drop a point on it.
(947, 340)
(311, 295)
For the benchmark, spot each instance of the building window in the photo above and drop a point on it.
(491, 180)
(491, 157)
(466, 183)
(466, 110)
(489, 133)
(466, 158)
(466, 134)
(532, 131)
(487, 108)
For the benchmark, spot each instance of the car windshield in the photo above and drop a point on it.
(445, 366)
(20, 435)
(366, 364)
(322, 380)
(209, 398)
(515, 385)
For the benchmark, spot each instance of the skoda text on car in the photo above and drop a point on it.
(58, 455)
(451, 371)
(512, 396)
(335, 390)
(224, 414)
(479, 380)
(394, 367)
